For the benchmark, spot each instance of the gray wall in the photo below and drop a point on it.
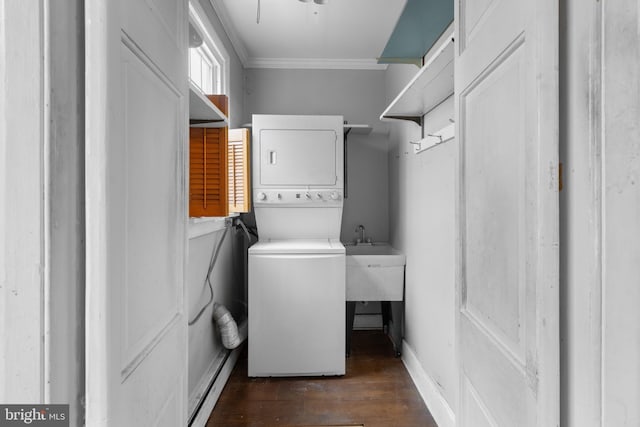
(358, 95)
(422, 218)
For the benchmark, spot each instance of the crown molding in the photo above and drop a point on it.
(231, 31)
(316, 63)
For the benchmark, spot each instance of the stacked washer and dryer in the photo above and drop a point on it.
(296, 284)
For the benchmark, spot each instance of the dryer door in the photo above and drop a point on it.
(298, 157)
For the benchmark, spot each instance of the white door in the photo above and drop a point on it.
(507, 119)
(136, 212)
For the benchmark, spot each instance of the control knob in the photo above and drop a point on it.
(334, 195)
(262, 196)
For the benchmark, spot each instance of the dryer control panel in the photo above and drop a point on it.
(298, 197)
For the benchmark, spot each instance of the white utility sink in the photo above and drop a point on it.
(375, 272)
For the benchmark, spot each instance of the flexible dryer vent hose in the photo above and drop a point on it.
(227, 326)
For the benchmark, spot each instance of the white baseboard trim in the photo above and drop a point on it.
(435, 401)
(210, 400)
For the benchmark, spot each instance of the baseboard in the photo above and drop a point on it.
(202, 388)
(211, 398)
(435, 401)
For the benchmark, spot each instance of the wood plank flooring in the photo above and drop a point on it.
(375, 392)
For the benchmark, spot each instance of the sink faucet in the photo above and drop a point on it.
(361, 230)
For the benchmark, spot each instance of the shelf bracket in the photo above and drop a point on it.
(415, 119)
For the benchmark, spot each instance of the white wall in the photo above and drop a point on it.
(422, 200)
(205, 345)
(358, 95)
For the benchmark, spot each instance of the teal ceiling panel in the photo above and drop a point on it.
(420, 25)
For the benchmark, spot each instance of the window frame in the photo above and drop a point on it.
(212, 43)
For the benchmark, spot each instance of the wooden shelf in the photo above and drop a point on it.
(203, 112)
(429, 87)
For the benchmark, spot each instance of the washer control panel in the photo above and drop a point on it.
(297, 197)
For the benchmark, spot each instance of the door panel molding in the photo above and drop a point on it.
(475, 408)
(147, 218)
(504, 194)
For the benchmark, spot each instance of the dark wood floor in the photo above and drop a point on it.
(375, 392)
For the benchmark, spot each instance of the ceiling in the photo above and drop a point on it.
(342, 34)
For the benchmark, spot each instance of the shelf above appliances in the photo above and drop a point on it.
(428, 88)
(203, 112)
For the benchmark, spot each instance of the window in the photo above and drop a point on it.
(218, 157)
(204, 70)
(208, 59)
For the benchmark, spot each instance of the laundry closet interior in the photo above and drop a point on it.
(354, 111)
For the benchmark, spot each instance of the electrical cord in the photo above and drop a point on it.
(207, 280)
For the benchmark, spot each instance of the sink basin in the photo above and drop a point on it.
(374, 273)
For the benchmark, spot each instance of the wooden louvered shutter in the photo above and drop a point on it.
(208, 172)
(238, 163)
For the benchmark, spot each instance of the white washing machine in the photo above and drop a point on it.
(297, 269)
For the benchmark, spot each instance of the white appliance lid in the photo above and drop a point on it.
(298, 246)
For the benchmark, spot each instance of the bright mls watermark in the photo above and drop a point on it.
(34, 415)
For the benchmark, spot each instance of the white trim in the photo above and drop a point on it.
(212, 397)
(435, 401)
(22, 204)
(223, 15)
(316, 63)
(97, 334)
(216, 390)
(213, 41)
(46, 187)
(200, 391)
(201, 226)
